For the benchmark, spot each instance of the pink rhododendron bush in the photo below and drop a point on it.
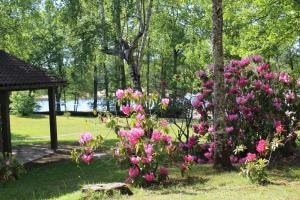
(261, 114)
(88, 145)
(144, 145)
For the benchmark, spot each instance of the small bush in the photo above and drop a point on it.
(10, 168)
(23, 103)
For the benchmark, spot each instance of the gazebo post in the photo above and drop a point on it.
(52, 117)
(5, 122)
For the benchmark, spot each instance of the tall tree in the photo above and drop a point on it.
(131, 52)
(221, 156)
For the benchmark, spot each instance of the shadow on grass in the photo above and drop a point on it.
(33, 116)
(15, 136)
(57, 179)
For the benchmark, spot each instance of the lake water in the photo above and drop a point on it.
(84, 105)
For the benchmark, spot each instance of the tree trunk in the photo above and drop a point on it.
(122, 73)
(221, 155)
(95, 88)
(148, 69)
(175, 61)
(106, 83)
(162, 79)
(135, 75)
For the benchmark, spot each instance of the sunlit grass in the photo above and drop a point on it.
(63, 180)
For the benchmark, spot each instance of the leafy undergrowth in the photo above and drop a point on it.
(63, 180)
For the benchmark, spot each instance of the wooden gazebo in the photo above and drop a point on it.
(16, 75)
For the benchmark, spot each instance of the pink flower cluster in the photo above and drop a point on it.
(139, 143)
(255, 98)
(85, 138)
(261, 146)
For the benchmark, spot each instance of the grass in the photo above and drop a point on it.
(35, 129)
(63, 180)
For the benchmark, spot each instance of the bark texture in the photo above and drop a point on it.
(129, 52)
(221, 156)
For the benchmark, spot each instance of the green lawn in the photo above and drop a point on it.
(63, 181)
(35, 129)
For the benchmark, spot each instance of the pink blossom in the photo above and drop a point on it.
(284, 77)
(140, 117)
(277, 103)
(256, 58)
(165, 101)
(200, 128)
(164, 123)
(138, 108)
(183, 167)
(167, 138)
(196, 103)
(88, 150)
(250, 95)
(279, 127)
(188, 158)
(85, 138)
(137, 94)
(211, 130)
(147, 160)
(258, 84)
(135, 160)
(269, 76)
(208, 84)
(243, 81)
(235, 62)
(122, 133)
(244, 62)
(148, 149)
(208, 155)
(149, 177)
(206, 92)
(234, 70)
(242, 160)
(87, 158)
(241, 100)
(290, 96)
(233, 159)
(227, 75)
(233, 90)
(232, 117)
(132, 140)
(268, 89)
(156, 136)
(133, 172)
(250, 156)
(201, 74)
(136, 132)
(129, 90)
(126, 109)
(192, 141)
(298, 81)
(262, 67)
(138, 125)
(229, 129)
(261, 146)
(120, 94)
(163, 171)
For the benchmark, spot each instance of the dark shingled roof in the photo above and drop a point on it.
(16, 74)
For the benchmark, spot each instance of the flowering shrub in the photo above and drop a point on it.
(10, 168)
(143, 139)
(88, 145)
(260, 110)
